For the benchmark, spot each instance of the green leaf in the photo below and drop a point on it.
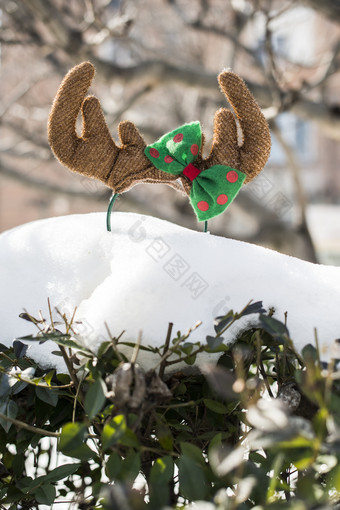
(256, 307)
(301, 460)
(18, 465)
(19, 348)
(215, 406)
(71, 437)
(14, 495)
(103, 348)
(129, 439)
(160, 475)
(192, 481)
(221, 322)
(162, 470)
(61, 472)
(95, 398)
(64, 378)
(9, 409)
(5, 388)
(48, 377)
(164, 436)
(257, 457)
(12, 409)
(113, 431)
(57, 337)
(113, 466)
(130, 468)
(190, 360)
(29, 485)
(333, 479)
(83, 453)
(187, 347)
(97, 490)
(45, 494)
(215, 443)
(274, 327)
(298, 442)
(309, 491)
(214, 342)
(148, 348)
(193, 452)
(47, 395)
(309, 353)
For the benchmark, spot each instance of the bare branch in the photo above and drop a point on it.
(232, 37)
(326, 117)
(274, 75)
(26, 135)
(44, 10)
(328, 66)
(20, 91)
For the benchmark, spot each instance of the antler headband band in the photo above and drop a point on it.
(176, 159)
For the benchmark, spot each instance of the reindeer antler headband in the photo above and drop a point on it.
(176, 159)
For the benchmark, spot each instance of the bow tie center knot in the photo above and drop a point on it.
(191, 172)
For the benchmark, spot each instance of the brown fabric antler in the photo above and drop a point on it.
(252, 153)
(95, 154)
(251, 156)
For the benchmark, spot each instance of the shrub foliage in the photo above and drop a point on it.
(258, 429)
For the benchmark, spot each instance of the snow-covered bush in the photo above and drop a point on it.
(259, 429)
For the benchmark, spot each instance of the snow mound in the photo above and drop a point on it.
(148, 272)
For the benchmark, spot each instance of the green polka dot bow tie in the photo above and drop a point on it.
(213, 189)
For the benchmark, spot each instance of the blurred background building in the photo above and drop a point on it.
(157, 62)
